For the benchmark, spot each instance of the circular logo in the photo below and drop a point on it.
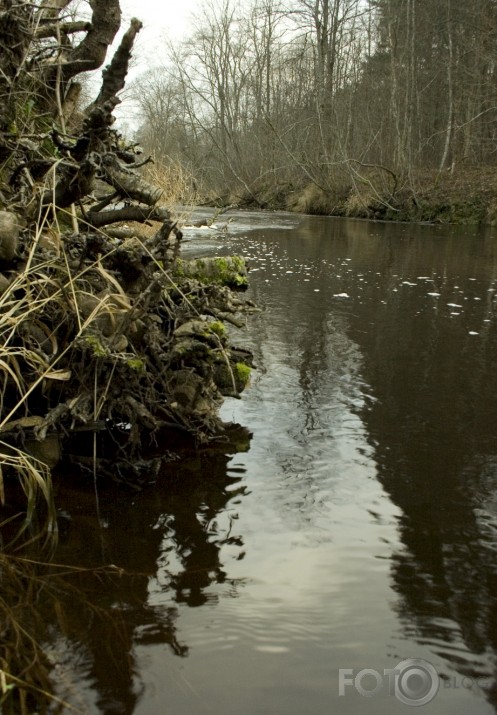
(417, 682)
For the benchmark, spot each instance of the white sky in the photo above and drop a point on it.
(161, 18)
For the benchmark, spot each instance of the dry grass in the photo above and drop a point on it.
(312, 200)
(178, 186)
(359, 202)
(45, 313)
(27, 349)
(35, 357)
(24, 670)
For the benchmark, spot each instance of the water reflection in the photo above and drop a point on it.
(432, 427)
(360, 528)
(431, 368)
(418, 302)
(157, 549)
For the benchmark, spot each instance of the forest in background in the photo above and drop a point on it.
(373, 108)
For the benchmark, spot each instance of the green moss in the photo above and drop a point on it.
(221, 263)
(218, 328)
(231, 273)
(178, 268)
(243, 372)
(98, 350)
(136, 364)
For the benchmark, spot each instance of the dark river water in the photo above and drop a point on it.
(358, 531)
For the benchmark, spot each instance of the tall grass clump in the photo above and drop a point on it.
(180, 190)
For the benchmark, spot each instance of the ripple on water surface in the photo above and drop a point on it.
(359, 529)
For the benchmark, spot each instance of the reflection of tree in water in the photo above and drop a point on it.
(195, 535)
(104, 614)
(447, 574)
(310, 362)
(433, 431)
(432, 422)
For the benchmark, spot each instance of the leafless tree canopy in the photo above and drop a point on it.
(322, 91)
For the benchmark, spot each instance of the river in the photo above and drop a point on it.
(357, 532)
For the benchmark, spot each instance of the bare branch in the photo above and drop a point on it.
(91, 51)
(128, 213)
(129, 184)
(50, 9)
(114, 76)
(65, 28)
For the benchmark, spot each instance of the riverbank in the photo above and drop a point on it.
(115, 352)
(457, 197)
(110, 342)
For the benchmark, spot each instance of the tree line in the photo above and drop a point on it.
(278, 94)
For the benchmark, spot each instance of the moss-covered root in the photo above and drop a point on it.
(242, 375)
(232, 372)
(228, 271)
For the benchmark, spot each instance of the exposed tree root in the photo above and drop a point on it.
(104, 332)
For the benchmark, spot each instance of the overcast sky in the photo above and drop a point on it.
(160, 18)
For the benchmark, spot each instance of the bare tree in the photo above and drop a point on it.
(303, 91)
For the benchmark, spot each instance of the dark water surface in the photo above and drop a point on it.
(360, 528)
